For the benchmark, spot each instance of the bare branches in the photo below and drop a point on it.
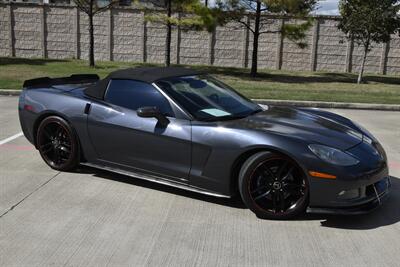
(247, 24)
(92, 8)
(82, 5)
(104, 8)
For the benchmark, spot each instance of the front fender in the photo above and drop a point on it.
(217, 152)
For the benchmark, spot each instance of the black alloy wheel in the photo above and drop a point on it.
(273, 186)
(58, 144)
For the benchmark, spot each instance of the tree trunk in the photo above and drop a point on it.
(360, 75)
(256, 33)
(168, 37)
(91, 40)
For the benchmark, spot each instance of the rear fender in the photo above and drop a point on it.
(38, 104)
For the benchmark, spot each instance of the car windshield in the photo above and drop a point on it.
(207, 98)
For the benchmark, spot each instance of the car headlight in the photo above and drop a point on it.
(333, 155)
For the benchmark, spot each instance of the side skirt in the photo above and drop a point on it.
(155, 179)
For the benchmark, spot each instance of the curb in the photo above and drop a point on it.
(293, 103)
(317, 104)
(10, 92)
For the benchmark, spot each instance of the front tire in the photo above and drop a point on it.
(273, 186)
(58, 144)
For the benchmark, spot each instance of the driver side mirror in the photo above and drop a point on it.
(152, 112)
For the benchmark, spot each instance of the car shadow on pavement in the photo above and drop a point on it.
(387, 214)
(234, 202)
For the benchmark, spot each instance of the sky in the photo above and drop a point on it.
(328, 7)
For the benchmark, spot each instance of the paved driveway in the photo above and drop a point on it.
(94, 218)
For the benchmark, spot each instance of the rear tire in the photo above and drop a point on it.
(58, 144)
(273, 186)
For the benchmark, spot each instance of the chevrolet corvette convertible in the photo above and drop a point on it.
(184, 128)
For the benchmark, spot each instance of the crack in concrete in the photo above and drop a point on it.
(28, 195)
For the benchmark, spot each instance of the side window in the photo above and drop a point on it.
(134, 94)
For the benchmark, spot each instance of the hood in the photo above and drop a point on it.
(300, 124)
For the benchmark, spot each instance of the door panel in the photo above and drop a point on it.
(121, 137)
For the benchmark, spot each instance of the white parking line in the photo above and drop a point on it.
(9, 139)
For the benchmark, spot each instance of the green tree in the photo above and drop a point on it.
(250, 14)
(187, 14)
(91, 8)
(367, 22)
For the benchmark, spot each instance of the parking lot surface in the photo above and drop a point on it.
(95, 218)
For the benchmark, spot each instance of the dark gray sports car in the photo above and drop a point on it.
(183, 128)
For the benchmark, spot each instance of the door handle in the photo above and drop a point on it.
(87, 108)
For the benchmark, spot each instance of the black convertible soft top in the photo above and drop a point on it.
(144, 74)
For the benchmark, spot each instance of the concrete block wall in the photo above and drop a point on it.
(194, 47)
(267, 50)
(269, 45)
(393, 56)
(332, 47)
(100, 23)
(122, 34)
(27, 31)
(128, 34)
(155, 44)
(294, 57)
(4, 31)
(60, 32)
(228, 45)
(373, 60)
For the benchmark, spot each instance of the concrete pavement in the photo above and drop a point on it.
(94, 218)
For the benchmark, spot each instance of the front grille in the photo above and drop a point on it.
(370, 191)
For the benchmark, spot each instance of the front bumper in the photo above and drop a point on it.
(375, 195)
